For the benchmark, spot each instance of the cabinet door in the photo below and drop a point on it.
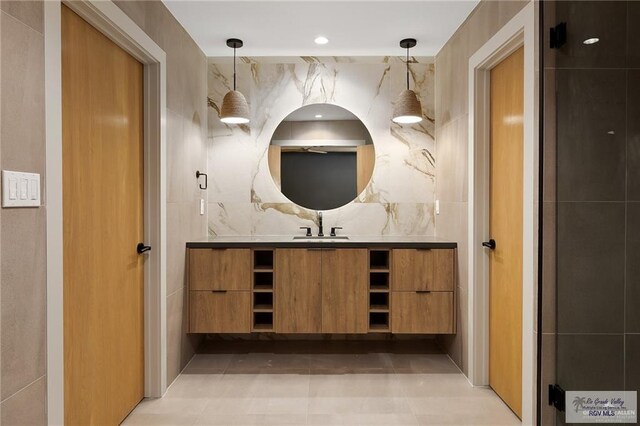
(220, 311)
(422, 312)
(420, 270)
(344, 291)
(298, 301)
(220, 269)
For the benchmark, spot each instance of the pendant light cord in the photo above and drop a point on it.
(234, 67)
(407, 68)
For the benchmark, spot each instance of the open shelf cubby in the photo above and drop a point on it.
(263, 281)
(379, 260)
(378, 302)
(263, 321)
(379, 322)
(263, 302)
(379, 281)
(263, 260)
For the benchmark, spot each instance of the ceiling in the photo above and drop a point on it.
(288, 28)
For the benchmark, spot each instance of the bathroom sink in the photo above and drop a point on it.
(316, 238)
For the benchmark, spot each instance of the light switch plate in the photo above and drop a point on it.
(437, 206)
(20, 189)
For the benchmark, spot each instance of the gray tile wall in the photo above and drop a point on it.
(22, 231)
(451, 144)
(591, 119)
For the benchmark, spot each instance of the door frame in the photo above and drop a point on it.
(115, 24)
(518, 32)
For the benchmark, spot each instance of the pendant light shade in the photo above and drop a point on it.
(407, 109)
(235, 109)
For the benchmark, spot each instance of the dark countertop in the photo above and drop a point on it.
(422, 242)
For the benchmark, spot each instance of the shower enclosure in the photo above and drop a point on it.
(590, 299)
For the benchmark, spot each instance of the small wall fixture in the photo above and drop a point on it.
(234, 105)
(408, 109)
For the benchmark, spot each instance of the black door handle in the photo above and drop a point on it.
(491, 244)
(141, 248)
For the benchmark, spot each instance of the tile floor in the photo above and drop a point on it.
(323, 387)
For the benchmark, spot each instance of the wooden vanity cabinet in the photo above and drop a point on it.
(345, 293)
(422, 291)
(219, 290)
(298, 306)
(220, 269)
(321, 291)
(422, 269)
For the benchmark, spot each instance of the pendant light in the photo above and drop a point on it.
(407, 109)
(234, 105)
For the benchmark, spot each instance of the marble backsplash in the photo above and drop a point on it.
(242, 197)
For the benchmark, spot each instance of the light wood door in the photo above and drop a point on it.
(220, 311)
(505, 262)
(423, 270)
(220, 269)
(422, 312)
(345, 291)
(102, 152)
(365, 161)
(298, 302)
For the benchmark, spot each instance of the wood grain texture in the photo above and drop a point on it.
(211, 269)
(345, 291)
(298, 305)
(102, 150)
(275, 161)
(220, 311)
(365, 161)
(417, 270)
(505, 262)
(422, 313)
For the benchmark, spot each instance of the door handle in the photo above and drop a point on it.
(141, 248)
(491, 244)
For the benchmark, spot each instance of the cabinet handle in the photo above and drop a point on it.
(423, 249)
(218, 291)
(423, 291)
(314, 249)
(328, 249)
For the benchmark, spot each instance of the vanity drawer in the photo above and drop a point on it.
(220, 269)
(422, 312)
(220, 311)
(418, 269)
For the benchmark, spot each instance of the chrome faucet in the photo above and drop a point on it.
(320, 230)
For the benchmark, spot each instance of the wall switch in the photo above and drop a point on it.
(437, 206)
(20, 189)
(202, 206)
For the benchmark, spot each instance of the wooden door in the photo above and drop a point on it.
(345, 291)
(298, 302)
(102, 152)
(505, 262)
(423, 270)
(220, 269)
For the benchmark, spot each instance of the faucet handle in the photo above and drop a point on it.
(333, 230)
(308, 228)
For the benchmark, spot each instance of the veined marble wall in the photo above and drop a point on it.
(244, 200)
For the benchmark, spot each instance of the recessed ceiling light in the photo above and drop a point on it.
(321, 40)
(318, 115)
(592, 40)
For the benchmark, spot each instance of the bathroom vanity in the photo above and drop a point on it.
(281, 285)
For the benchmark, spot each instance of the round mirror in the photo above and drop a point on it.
(321, 156)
